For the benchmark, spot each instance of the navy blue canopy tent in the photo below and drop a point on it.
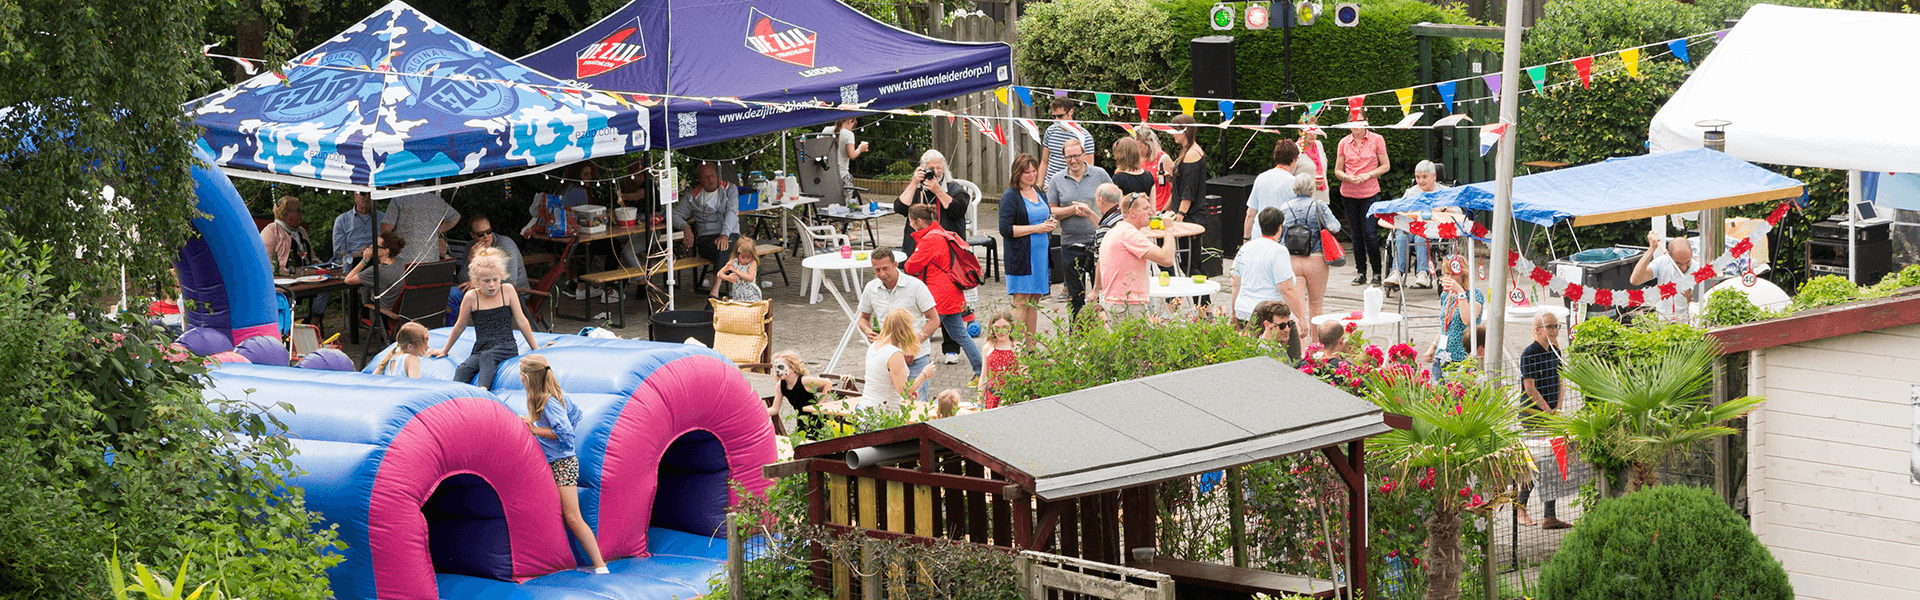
(398, 98)
(1620, 190)
(792, 51)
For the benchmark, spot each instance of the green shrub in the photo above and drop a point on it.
(1576, 28)
(109, 445)
(1729, 307)
(1825, 290)
(1671, 542)
(1641, 343)
(1090, 355)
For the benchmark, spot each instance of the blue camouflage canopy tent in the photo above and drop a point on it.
(793, 51)
(1639, 187)
(398, 98)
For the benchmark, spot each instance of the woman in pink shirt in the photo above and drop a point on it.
(1363, 158)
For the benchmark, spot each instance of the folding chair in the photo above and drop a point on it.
(974, 239)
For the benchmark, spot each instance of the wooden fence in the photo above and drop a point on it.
(970, 154)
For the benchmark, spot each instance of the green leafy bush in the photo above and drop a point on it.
(109, 445)
(1090, 355)
(1096, 45)
(1825, 290)
(1665, 542)
(1732, 307)
(1642, 343)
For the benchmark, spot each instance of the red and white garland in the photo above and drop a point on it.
(1726, 262)
(1429, 229)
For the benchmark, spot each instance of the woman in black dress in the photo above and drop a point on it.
(1190, 187)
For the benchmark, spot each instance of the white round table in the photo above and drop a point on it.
(1383, 318)
(1181, 287)
(819, 264)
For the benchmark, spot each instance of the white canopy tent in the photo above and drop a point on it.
(1807, 87)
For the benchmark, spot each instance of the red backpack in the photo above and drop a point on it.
(962, 265)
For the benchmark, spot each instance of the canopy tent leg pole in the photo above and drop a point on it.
(1855, 194)
(1503, 186)
(669, 184)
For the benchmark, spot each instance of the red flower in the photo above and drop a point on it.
(1399, 351)
(1415, 559)
(1459, 410)
(1393, 553)
(1308, 369)
(1375, 353)
(1351, 327)
(1466, 492)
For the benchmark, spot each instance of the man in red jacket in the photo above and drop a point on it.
(932, 263)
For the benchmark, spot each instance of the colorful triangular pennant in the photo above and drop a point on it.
(1266, 110)
(1584, 65)
(1446, 89)
(1226, 111)
(1031, 129)
(1493, 83)
(1001, 93)
(1357, 108)
(1491, 134)
(1539, 77)
(1024, 93)
(1186, 106)
(1631, 56)
(1405, 96)
(1142, 103)
(1102, 99)
(1679, 49)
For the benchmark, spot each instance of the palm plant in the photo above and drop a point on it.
(1463, 435)
(1639, 412)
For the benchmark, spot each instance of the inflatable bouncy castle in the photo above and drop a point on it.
(439, 491)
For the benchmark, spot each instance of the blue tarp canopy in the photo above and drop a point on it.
(1620, 190)
(398, 98)
(787, 51)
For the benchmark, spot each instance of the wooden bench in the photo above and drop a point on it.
(602, 279)
(537, 258)
(1236, 579)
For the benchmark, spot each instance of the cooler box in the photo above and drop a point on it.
(749, 199)
(589, 219)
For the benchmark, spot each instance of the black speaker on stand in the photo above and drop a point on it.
(1213, 73)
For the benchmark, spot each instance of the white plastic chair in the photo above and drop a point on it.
(816, 239)
(973, 207)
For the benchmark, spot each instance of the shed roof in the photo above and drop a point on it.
(1165, 426)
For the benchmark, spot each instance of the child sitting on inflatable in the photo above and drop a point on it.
(554, 430)
(494, 311)
(411, 342)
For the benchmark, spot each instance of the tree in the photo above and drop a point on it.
(1639, 411)
(1462, 435)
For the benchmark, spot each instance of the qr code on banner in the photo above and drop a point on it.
(689, 124)
(850, 93)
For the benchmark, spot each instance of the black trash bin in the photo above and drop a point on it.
(675, 326)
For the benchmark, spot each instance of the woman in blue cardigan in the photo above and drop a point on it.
(1027, 224)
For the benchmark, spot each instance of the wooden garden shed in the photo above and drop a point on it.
(1833, 455)
(1076, 474)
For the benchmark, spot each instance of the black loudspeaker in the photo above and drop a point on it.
(1213, 73)
(1233, 191)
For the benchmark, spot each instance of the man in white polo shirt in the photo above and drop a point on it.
(891, 289)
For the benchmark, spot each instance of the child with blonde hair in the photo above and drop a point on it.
(1001, 361)
(742, 271)
(887, 383)
(411, 342)
(493, 308)
(554, 430)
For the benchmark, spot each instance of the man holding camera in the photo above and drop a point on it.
(1075, 188)
(932, 185)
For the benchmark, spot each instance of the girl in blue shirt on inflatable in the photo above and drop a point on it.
(554, 430)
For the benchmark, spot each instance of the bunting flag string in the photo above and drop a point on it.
(1356, 108)
(1584, 66)
(1025, 94)
(1405, 96)
(1186, 106)
(1446, 94)
(1539, 77)
(1491, 135)
(1266, 110)
(1001, 93)
(1101, 99)
(1631, 57)
(1313, 108)
(1142, 102)
(1679, 50)
(1727, 262)
(1493, 83)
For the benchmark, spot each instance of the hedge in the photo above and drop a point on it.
(1672, 542)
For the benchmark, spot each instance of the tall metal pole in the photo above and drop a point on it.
(1503, 186)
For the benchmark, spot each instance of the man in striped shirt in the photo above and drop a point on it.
(1053, 154)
